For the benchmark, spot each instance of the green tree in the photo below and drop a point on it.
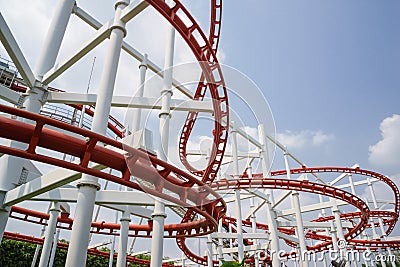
(232, 264)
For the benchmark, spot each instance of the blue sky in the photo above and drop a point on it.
(323, 65)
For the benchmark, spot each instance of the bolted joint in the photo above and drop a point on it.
(167, 91)
(158, 214)
(120, 26)
(125, 219)
(122, 3)
(144, 62)
(164, 113)
(335, 209)
(89, 184)
(55, 206)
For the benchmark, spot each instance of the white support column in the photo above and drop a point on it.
(299, 227)
(339, 228)
(54, 248)
(265, 158)
(123, 239)
(183, 259)
(353, 191)
(323, 254)
(112, 250)
(238, 206)
(209, 251)
(273, 230)
(88, 185)
(159, 215)
(264, 151)
(49, 234)
(137, 113)
(369, 252)
(271, 216)
(299, 218)
(55, 35)
(220, 243)
(334, 236)
(380, 220)
(11, 167)
(38, 247)
(253, 219)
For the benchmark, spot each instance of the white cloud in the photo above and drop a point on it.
(320, 137)
(296, 140)
(385, 153)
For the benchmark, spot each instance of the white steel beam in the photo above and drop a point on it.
(286, 193)
(133, 9)
(312, 207)
(372, 180)
(133, 52)
(131, 102)
(103, 197)
(103, 32)
(288, 237)
(101, 35)
(245, 135)
(15, 53)
(9, 95)
(231, 250)
(217, 235)
(133, 210)
(47, 182)
(311, 224)
(241, 154)
(343, 175)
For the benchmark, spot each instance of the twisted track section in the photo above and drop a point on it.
(303, 186)
(220, 132)
(358, 171)
(389, 217)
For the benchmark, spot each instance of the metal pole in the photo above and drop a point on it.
(49, 234)
(11, 167)
(334, 236)
(381, 225)
(220, 243)
(123, 239)
(112, 250)
(299, 218)
(54, 37)
(253, 220)
(239, 226)
(88, 185)
(339, 228)
(137, 112)
(54, 248)
(265, 158)
(369, 252)
(159, 215)
(273, 229)
(37, 250)
(209, 251)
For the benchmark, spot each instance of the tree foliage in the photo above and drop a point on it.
(232, 264)
(20, 254)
